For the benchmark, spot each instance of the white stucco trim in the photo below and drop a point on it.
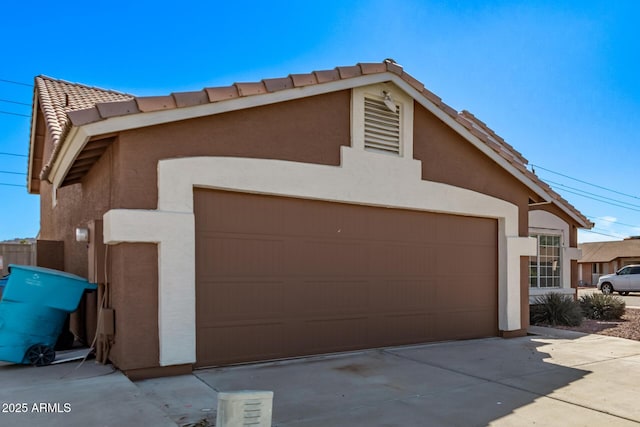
(363, 178)
(168, 230)
(543, 222)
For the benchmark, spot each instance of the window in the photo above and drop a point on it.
(545, 268)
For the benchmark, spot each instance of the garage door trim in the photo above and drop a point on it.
(363, 178)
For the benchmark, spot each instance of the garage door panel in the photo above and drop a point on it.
(337, 297)
(407, 328)
(467, 259)
(393, 259)
(462, 292)
(243, 343)
(327, 277)
(465, 231)
(335, 334)
(405, 295)
(388, 226)
(238, 300)
(228, 255)
(322, 220)
(326, 258)
(466, 289)
(461, 324)
(241, 215)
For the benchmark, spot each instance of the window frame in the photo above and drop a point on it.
(557, 271)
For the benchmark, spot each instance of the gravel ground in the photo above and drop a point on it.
(628, 327)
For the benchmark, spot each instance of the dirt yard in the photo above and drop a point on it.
(628, 327)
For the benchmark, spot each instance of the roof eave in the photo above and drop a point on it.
(34, 119)
(80, 134)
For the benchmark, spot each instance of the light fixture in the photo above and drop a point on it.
(82, 234)
(389, 102)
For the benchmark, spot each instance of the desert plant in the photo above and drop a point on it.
(555, 309)
(602, 307)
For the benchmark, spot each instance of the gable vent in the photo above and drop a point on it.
(381, 127)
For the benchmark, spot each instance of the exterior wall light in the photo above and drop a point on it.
(82, 234)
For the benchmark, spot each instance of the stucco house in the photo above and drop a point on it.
(599, 258)
(337, 210)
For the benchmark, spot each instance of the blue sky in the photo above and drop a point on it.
(557, 80)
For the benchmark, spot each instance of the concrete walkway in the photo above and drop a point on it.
(68, 395)
(556, 378)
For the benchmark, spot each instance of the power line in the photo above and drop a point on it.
(596, 197)
(15, 83)
(13, 154)
(13, 173)
(602, 234)
(603, 201)
(14, 114)
(15, 102)
(11, 185)
(592, 194)
(612, 222)
(585, 182)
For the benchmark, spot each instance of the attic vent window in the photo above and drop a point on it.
(381, 125)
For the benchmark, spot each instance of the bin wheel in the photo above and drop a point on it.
(40, 355)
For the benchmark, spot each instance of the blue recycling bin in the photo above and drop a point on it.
(3, 282)
(34, 305)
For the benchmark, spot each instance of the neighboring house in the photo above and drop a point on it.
(337, 210)
(599, 258)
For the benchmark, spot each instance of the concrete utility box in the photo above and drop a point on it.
(244, 408)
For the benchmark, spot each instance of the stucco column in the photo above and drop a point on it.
(173, 232)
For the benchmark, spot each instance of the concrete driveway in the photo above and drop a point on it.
(554, 378)
(567, 379)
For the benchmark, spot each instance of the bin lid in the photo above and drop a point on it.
(44, 270)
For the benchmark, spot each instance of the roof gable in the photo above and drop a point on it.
(67, 105)
(57, 98)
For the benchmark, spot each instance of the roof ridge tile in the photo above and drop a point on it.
(190, 99)
(155, 103)
(301, 80)
(221, 93)
(372, 67)
(250, 88)
(277, 84)
(324, 76)
(349, 71)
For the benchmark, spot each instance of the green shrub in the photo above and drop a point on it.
(602, 307)
(555, 309)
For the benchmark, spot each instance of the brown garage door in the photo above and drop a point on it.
(280, 277)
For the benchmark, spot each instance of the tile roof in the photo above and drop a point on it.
(66, 104)
(608, 251)
(58, 97)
